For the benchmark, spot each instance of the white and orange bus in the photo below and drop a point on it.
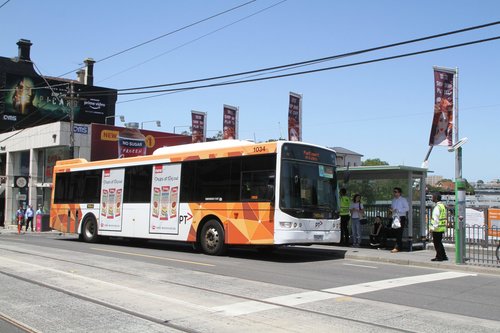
(212, 194)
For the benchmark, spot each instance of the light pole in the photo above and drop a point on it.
(122, 118)
(181, 126)
(158, 123)
(459, 202)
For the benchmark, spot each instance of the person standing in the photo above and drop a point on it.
(357, 211)
(29, 217)
(399, 207)
(437, 225)
(38, 212)
(20, 219)
(345, 216)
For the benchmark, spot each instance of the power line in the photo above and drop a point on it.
(4, 3)
(166, 34)
(313, 61)
(316, 70)
(194, 40)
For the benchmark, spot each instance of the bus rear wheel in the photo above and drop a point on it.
(212, 238)
(89, 230)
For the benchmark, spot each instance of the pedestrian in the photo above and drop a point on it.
(38, 212)
(29, 217)
(377, 232)
(345, 216)
(357, 211)
(399, 207)
(20, 219)
(437, 225)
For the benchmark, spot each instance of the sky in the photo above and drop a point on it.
(380, 110)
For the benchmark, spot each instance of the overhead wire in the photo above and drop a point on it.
(166, 34)
(194, 40)
(6, 2)
(323, 59)
(232, 82)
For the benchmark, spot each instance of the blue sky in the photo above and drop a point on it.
(381, 110)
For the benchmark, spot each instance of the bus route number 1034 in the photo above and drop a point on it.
(259, 149)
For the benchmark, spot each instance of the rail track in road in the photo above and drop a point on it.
(261, 303)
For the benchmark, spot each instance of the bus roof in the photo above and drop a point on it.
(202, 146)
(186, 152)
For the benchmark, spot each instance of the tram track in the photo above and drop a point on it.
(169, 324)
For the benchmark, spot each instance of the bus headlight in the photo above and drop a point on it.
(286, 225)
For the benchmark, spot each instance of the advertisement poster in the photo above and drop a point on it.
(295, 117)
(29, 101)
(116, 142)
(230, 122)
(442, 120)
(111, 199)
(199, 126)
(165, 199)
(494, 222)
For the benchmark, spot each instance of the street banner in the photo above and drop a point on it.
(199, 126)
(230, 122)
(295, 117)
(442, 121)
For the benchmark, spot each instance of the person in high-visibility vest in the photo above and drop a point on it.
(345, 216)
(437, 225)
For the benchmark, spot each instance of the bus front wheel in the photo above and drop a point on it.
(212, 238)
(89, 230)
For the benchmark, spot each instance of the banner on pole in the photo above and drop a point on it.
(230, 122)
(295, 117)
(199, 126)
(442, 121)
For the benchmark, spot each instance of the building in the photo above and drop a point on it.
(346, 157)
(44, 119)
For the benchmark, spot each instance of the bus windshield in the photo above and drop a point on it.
(308, 189)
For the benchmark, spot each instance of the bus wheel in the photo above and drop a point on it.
(89, 230)
(212, 238)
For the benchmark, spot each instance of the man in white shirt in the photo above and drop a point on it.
(399, 207)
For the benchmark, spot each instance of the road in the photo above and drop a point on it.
(54, 283)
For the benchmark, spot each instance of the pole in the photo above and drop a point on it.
(71, 122)
(459, 187)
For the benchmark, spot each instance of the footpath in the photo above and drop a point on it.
(419, 258)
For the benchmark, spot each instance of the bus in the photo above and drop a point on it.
(213, 195)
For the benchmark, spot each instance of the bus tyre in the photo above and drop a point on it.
(212, 238)
(89, 230)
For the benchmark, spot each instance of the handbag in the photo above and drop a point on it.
(362, 219)
(396, 222)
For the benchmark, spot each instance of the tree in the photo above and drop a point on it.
(218, 136)
(373, 161)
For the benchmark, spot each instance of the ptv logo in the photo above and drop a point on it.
(185, 218)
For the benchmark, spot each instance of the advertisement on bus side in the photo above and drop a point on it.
(110, 218)
(165, 199)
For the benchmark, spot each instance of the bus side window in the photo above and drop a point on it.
(257, 185)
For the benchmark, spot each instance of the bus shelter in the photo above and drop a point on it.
(375, 185)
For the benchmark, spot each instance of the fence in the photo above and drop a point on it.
(481, 240)
(481, 243)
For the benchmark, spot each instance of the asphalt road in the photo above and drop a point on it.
(54, 283)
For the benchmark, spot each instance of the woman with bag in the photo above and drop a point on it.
(357, 212)
(399, 208)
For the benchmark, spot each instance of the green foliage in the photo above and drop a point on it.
(373, 161)
(218, 136)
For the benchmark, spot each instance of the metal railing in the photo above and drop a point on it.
(481, 243)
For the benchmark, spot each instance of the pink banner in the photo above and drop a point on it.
(198, 126)
(230, 122)
(295, 118)
(442, 121)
